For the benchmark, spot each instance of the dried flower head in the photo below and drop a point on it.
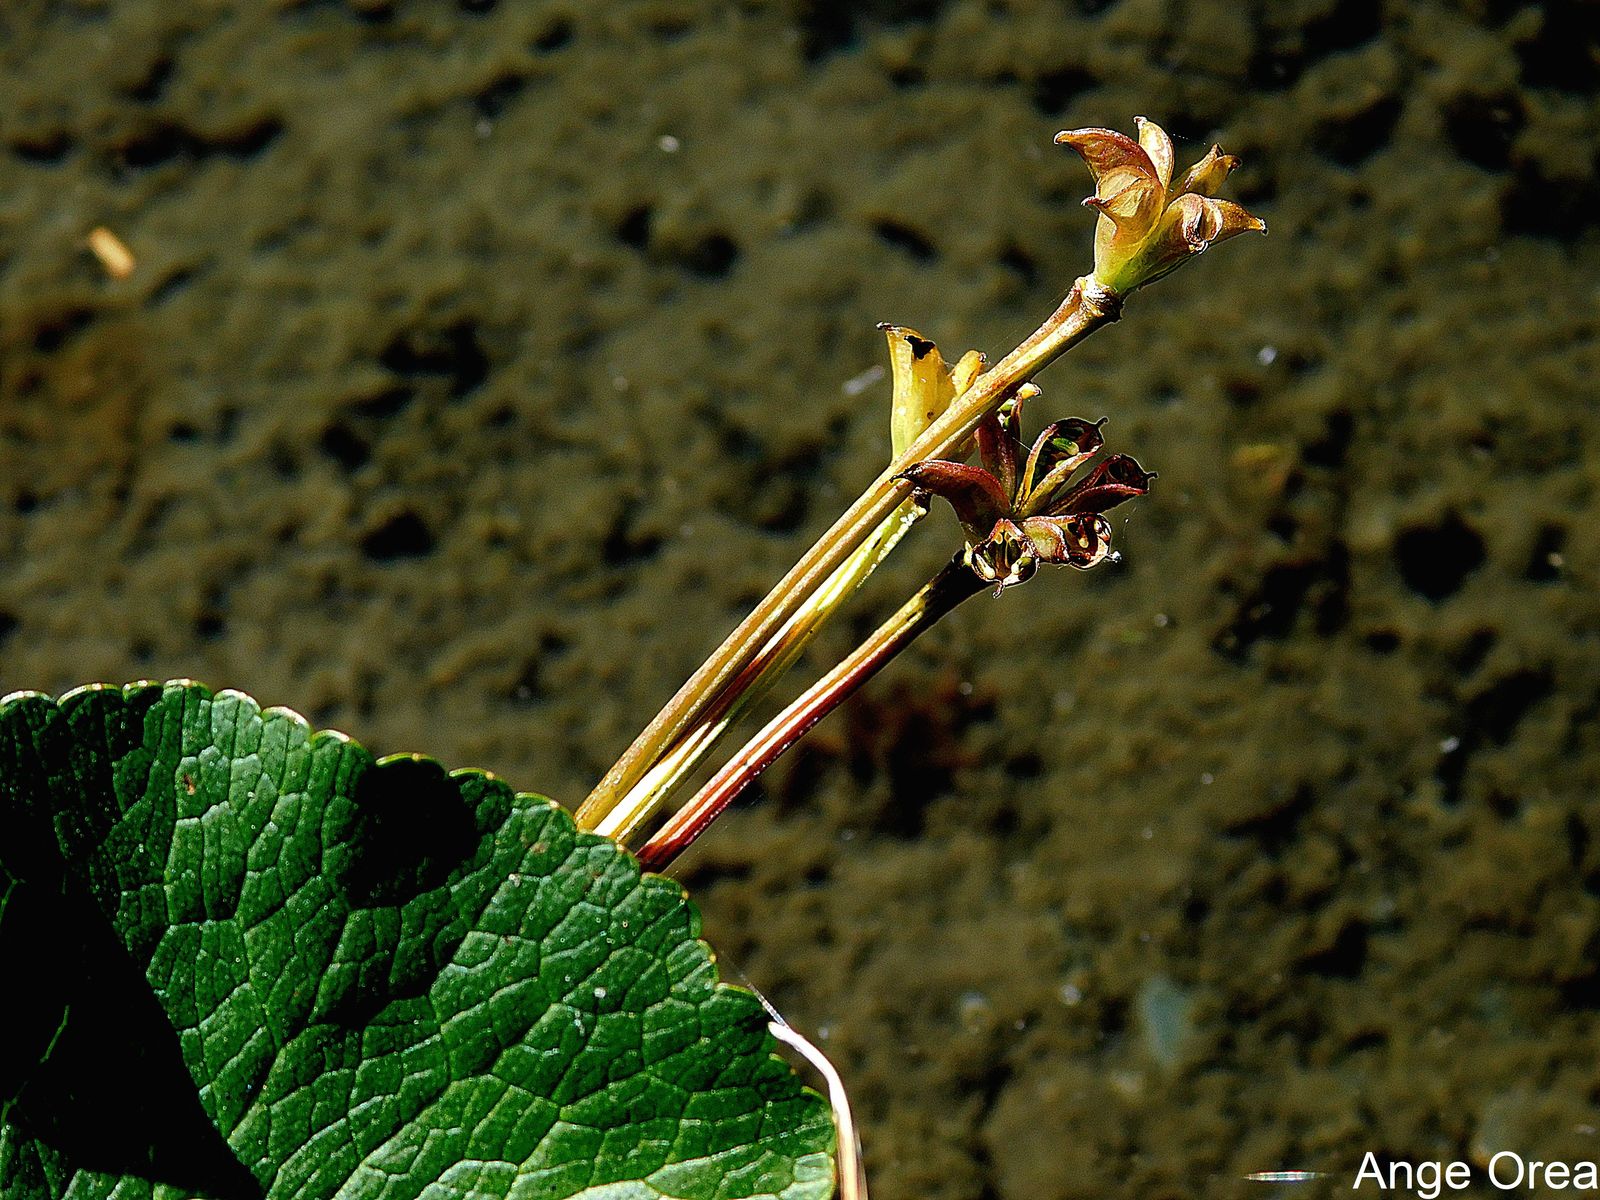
(1017, 513)
(1148, 224)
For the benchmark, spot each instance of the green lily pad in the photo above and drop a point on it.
(247, 960)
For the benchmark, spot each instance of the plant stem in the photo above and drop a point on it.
(954, 584)
(756, 680)
(1086, 307)
(850, 1174)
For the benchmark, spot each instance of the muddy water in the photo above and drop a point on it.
(484, 361)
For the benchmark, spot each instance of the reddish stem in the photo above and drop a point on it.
(955, 583)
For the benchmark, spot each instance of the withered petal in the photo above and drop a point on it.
(1059, 450)
(1072, 439)
(1080, 540)
(1207, 175)
(922, 386)
(1158, 146)
(1202, 221)
(975, 495)
(1005, 558)
(967, 370)
(1025, 392)
(1198, 221)
(1235, 220)
(1107, 152)
(998, 451)
(1133, 208)
(1113, 480)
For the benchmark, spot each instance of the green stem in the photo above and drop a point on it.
(655, 789)
(1086, 307)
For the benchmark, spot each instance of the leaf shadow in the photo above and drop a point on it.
(112, 1094)
(411, 831)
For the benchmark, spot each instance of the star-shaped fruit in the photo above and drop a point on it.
(1017, 513)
